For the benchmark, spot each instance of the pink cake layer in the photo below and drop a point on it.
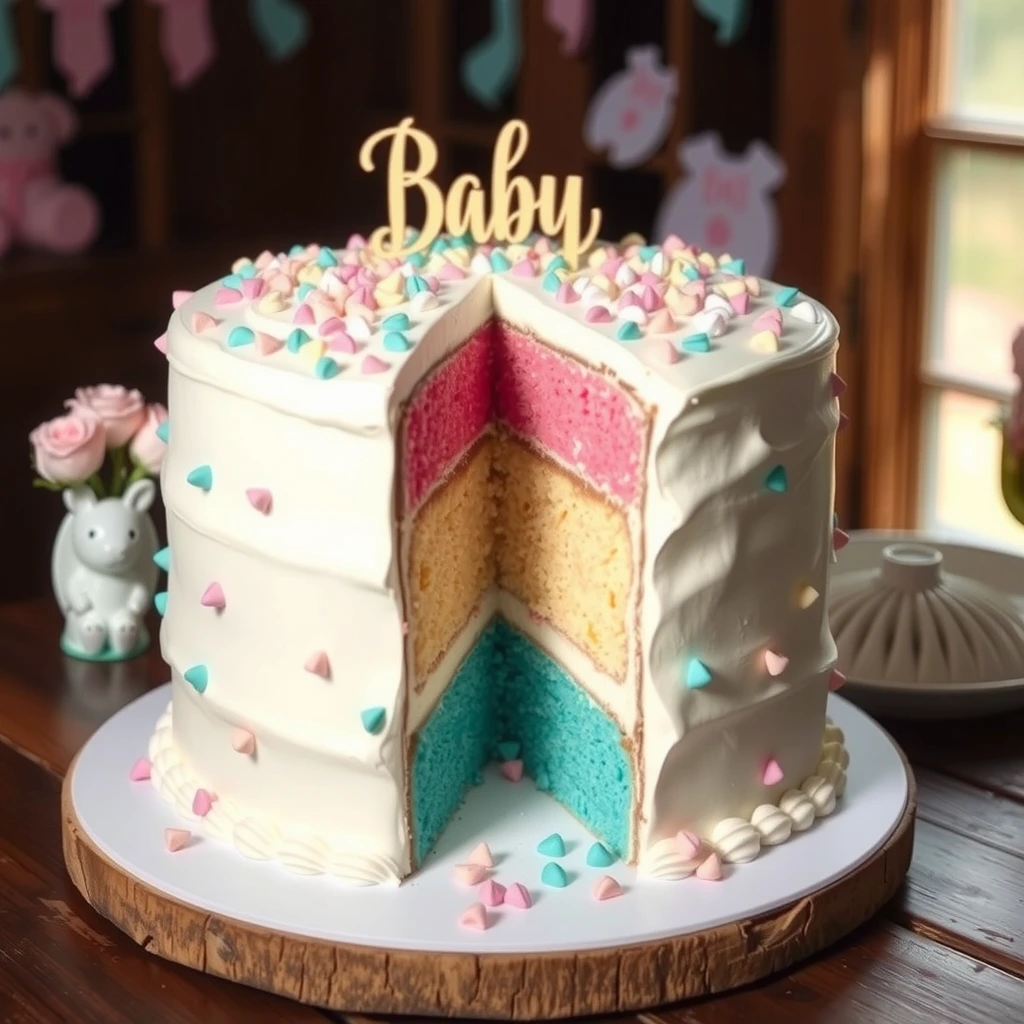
(572, 412)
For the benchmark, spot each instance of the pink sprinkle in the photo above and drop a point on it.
(652, 279)
(628, 299)
(267, 344)
(481, 855)
(227, 296)
(341, 341)
(161, 344)
(450, 272)
(688, 844)
(304, 315)
(319, 664)
(140, 770)
(346, 273)
(282, 283)
(253, 287)
(432, 283)
(607, 888)
(474, 916)
(492, 893)
(672, 243)
(650, 300)
(244, 742)
(772, 773)
(662, 323)
(176, 839)
(698, 288)
(264, 259)
(470, 874)
(566, 293)
(213, 597)
(711, 869)
(844, 421)
(542, 245)
(371, 364)
(202, 803)
(179, 298)
(331, 325)
(837, 384)
(664, 351)
(203, 322)
(363, 295)
(355, 242)
(512, 770)
(836, 681)
(597, 315)
(259, 498)
(518, 896)
(741, 303)
(610, 267)
(769, 320)
(524, 268)
(775, 663)
(840, 538)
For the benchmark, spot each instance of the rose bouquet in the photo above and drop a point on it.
(106, 425)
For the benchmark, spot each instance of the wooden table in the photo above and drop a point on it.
(950, 947)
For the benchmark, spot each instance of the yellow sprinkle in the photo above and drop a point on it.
(272, 302)
(313, 349)
(680, 303)
(732, 287)
(597, 257)
(516, 251)
(394, 282)
(806, 596)
(725, 258)
(310, 274)
(764, 341)
(708, 260)
(632, 239)
(560, 272)
(686, 255)
(610, 288)
(240, 264)
(356, 309)
(753, 285)
(460, 257)
(636, 264)
(388, 299)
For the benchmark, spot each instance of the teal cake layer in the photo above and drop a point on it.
(509, 689)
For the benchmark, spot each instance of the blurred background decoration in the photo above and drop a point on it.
(869, 152)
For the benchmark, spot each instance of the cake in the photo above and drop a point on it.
(476, 505)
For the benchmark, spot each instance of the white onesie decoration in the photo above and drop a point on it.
(631, 113)
(724, 204)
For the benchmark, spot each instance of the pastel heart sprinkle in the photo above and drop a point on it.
(395, 341)
(396, 322)
(296, 339)
(213, 597)
(304, 314)
(554, 875)
(698, 343)
(806, 596)
(140, 770)
(179, 298)
(160, 602)
(163, 431)
(663, 322)
(777, 480)
(161, 344)
(326, 368)
(775, 663)
(227, 296)
(319, 665)
(470, 874)
(629, 331)
(787, 296)
(267, 344)
(844, 421)
(512, 770)
(836, 385)
(201, 477)
(597, 315)
(840, 538)
(197, 677)
(373, 719)
(606, 888)
(740, 303)
(599, 856)
(499, 261)
(243, 741)
(688, 844)
(371, 364)
(518, 896)
(710, 870)
(770, 319)
(772, 773)
(552, 846)
(260, 498)
(176, 839)
(492, 893)
(481, 854)
(203, 322)
(162, 559)
(836, 681)
(698, 675)
(764, 342)
(202, 803)
(474, 916)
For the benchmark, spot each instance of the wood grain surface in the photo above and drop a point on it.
(948, 947)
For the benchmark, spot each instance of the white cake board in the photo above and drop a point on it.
(123, 822)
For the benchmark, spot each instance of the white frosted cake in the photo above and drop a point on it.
(474, 505)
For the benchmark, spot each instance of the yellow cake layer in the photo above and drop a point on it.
(564, 551)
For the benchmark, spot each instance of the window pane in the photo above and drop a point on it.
(961, 453)
(986, 77)
(977, 298)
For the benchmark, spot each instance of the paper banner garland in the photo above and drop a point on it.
(631, 113)
(725, 204)
(186, 38)
(282, 27)
(82, 48)
(490, 68)
(573, 20)
(9, 62)
(731, 17)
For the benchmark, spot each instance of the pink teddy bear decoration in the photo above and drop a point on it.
(37, 208)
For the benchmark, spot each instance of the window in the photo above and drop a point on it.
(949, 82)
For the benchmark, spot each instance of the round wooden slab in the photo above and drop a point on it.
(365, 979)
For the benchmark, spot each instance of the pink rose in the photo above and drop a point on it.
(122, 411)
(147, 449)
(69, 449)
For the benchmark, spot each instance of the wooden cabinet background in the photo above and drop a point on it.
(254, 155)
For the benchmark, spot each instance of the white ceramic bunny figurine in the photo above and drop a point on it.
(103, 572)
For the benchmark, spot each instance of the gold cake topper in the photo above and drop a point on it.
(515, 205)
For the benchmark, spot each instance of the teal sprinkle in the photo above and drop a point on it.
(777, 480)
(599, 856)
(786, 296)
(499, 261)
(554, 875)
(396, 322)
(326, 259)
(297, 339)
(733, 267)
(240, 336)
(629, 331)
(414, 284)
(697, 343)
(197, 677)
(553, 846)
(440, 244)
(232, 281)
(164, 431)
(201, 477)
(550, 282)
(416, 259)
(163, 559)
(691, 273)
(326, 368)
(542, 781)
(247, 270)
(465, 241)
(296, 250)
(558, 263)
(508, 750)
(648, 252)
(160, 602)
(373, 720)
(697, 674)
(303, 290)
(395, 341)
